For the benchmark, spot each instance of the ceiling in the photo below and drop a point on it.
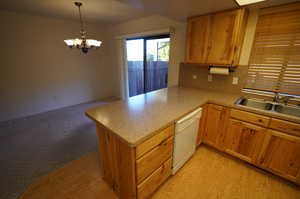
(117, 11)
(181, 9)
(96, 11)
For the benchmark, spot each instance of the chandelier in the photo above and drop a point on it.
(83, 43)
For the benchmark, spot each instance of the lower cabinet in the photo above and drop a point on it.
(244, 140)
(281, 155)
(153, 159)
(136, 172)
(150, 184)
(202, 125)
(215, 127)
(271, 144)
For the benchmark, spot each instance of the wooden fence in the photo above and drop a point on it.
(156, 76)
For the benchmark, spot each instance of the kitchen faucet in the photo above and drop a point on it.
(284, 99)
(276, 98)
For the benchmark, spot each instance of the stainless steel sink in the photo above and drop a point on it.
(269, 106)
(255, 103)
(288, 110)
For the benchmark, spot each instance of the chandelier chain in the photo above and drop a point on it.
(81, 20)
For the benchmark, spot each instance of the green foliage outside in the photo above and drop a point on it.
(163, 49)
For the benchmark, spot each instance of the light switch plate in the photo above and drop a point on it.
(235, 80)
(209, 78)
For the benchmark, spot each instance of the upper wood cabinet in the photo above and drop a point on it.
(216, 39)
(215, 127)
(197, 39)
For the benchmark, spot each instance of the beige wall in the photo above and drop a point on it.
(39, 73)
(151, 23)
(220, 82)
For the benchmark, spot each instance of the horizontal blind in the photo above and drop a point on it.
(274, 63)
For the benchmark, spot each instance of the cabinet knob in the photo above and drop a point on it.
(260, 120)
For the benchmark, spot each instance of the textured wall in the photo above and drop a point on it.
(39, 73)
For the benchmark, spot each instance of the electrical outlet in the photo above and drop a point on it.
(194, 76)
(235, 80)
(209, 78)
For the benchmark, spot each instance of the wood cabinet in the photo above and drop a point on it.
(285, 126)
(154, 141)
(281, 155)
(149, 185)
(135, 172)
(117, 160)
(197, 39)
(215, 127)
(216, 39)
(153, 159)
(250, 137)
(202, 125)
(250, 117)
(244, 140)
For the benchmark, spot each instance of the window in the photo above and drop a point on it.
(274, 64)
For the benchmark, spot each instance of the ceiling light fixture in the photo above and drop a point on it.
(83, 43)
(246, 2)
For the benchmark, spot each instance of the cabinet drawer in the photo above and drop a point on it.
(285, 126)
(148, 186)
(154, 141)
(153, 159)
(250, 117)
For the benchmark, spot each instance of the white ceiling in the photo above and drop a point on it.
(116, 11)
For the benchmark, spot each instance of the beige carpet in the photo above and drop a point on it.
(208, 175)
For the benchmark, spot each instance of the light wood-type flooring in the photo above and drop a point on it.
(208, 175)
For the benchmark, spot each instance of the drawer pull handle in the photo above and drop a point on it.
(260, 120)
(296, 130)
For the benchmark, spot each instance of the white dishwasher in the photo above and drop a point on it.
(186, 131)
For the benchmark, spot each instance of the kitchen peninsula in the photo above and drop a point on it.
(136, 136)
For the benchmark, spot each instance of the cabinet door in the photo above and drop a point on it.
(215, 125)
(226, 34)
(202, 125)
(282, 155)
(244, 140)
(197, 39)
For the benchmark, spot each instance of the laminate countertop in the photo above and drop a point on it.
(140, 117)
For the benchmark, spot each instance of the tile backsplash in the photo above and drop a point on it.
(196, 76)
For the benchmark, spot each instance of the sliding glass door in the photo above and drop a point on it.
(148, 61)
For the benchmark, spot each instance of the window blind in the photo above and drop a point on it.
(274, 63)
